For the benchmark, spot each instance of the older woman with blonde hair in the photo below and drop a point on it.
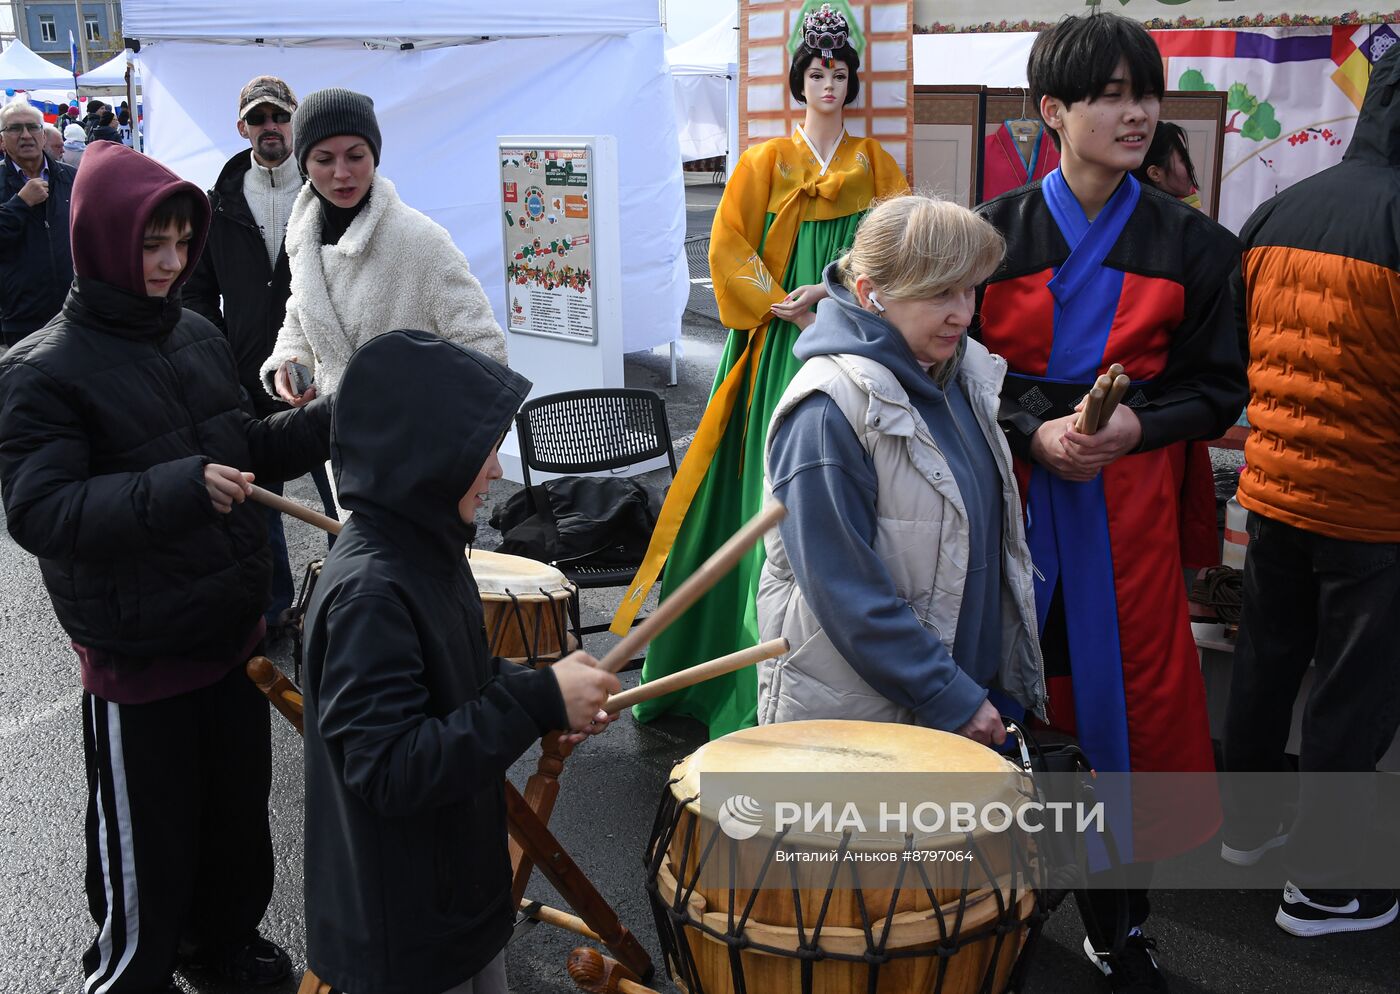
(901, 576)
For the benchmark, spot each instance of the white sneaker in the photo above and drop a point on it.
(1307, 916)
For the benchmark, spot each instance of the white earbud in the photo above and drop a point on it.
(875, 302)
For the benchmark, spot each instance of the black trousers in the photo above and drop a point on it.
(178, 843)
(1115, 902)
(1335, 603)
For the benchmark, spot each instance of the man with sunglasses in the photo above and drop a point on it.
(36, 266)
(242, 280)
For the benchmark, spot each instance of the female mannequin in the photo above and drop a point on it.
(791, 207)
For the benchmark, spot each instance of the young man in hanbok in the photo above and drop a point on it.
(1100, 269)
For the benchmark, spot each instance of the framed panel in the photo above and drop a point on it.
(947, 151)
(1202, 116)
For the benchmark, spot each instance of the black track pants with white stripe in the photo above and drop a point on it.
(178, 844)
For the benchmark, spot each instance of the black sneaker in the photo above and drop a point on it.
(1245, 854)
(1134, 970)
(1325, 912)
(256, 962)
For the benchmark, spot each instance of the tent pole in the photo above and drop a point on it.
(82, 33)
(136, 140)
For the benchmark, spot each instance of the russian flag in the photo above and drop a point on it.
(73, 50)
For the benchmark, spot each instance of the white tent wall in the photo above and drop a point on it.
(702, 115)
(700, 68)
(991, 59)
(441, 110)
(362, 20)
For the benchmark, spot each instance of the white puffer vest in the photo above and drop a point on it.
(922, 537)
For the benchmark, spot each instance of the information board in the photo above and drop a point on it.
(547, 213)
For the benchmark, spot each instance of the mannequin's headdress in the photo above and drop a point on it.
(825, 31)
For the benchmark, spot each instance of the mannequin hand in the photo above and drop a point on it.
(800, 301)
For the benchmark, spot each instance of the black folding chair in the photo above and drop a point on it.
(593, 431)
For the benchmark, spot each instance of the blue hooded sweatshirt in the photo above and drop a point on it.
(819, 469)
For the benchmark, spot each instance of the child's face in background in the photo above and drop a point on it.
(1174, 179)
(163, 257)
(475, 497)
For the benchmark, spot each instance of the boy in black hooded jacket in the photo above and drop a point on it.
(123, 451)
(410, 722)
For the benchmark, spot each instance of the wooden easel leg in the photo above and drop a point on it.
(541, 791)
(540, 846)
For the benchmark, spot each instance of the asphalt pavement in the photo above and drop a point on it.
(1209, 941)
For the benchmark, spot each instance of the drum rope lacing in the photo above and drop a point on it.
(518, 616)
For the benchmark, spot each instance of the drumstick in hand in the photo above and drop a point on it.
(1116, 393)
(1088, 422)
(709, 573)
(291, 507)
(696, 674)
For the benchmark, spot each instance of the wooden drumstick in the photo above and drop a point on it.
(1088, 422)
(277, 687)
(598, 974)
(559, 919)
(1116, 393)
(709, 573)
(696, 674)
(291, 507)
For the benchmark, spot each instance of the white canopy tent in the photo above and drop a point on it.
(110, 73)
(703, 71)
(447, 79)
(21, 69)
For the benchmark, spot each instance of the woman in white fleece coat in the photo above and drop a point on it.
(363, 262)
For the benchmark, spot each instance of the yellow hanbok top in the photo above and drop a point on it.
(786, 179)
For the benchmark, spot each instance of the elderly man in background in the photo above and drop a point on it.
(53, 142)
(36, 265)
(242, 280)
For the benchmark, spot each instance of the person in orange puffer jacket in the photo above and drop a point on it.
(1321, 302)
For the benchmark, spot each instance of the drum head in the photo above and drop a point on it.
(498, 574)
(836, 747)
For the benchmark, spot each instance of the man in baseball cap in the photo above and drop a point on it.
(242, 280)
(265, 109)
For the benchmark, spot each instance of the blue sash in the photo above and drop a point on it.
(1067, 526)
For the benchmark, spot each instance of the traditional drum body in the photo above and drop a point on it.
(747, 916)
(526, 605)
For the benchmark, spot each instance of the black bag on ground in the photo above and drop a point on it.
(598, 521)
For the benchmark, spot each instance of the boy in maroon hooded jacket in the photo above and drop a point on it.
(124, 459)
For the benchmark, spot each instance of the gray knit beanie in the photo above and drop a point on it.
(327, 113)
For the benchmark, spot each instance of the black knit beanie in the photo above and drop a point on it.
(327, 113)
